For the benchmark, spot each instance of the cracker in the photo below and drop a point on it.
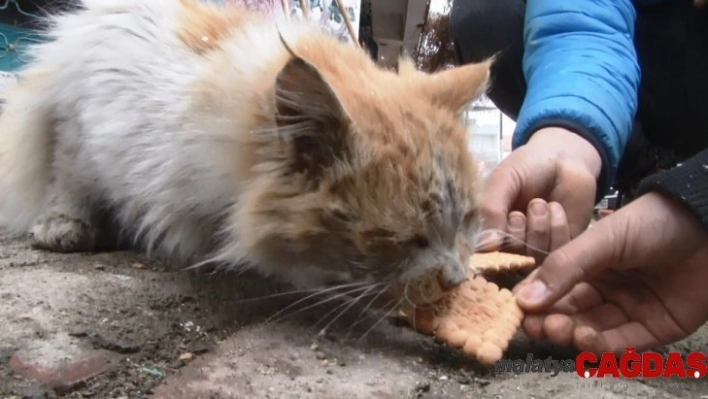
(478, 317)
(498, 262)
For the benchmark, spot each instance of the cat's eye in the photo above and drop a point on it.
(421, 241)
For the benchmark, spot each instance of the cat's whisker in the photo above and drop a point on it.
(426, 301)
(293, 292)
(314, 305)
(509, 236)
(359, 318)
(437, 235)
(320, 292)
(347, 301)
(385, 316)
(353, 302)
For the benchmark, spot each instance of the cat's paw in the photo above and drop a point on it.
(61, 233)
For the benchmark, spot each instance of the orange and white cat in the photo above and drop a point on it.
(206, 132)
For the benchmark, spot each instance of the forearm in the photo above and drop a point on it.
(687, 184)
(582, 73)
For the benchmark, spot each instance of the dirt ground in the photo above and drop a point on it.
(116, 325)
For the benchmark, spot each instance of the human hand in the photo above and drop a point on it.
(635, 279)
(542, 194)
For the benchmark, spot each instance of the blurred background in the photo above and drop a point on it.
(386, 28)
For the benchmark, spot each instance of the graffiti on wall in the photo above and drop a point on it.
(325, 13)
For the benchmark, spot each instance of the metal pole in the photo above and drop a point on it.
(305, 8)
(347, 21)
(286, 9)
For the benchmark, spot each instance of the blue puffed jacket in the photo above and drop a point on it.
(582, 74)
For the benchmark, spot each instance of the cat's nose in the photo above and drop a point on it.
(451, 275)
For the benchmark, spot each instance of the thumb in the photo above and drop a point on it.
(583, 258)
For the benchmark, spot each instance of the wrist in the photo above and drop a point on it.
(679, 220)
(569, 148)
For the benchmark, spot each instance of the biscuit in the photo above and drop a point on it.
(477, 317)
(498, 262)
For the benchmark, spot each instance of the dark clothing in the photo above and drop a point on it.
(671, 121)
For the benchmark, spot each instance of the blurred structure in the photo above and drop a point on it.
(490, 131)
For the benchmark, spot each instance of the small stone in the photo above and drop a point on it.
(201, 347)
(139, 266)
(99, 267)
(187, 356)
(320, 355)
(314, 347)
(482, 382)
(443, 378)
(59, 375)
(120, 343)
(422, 386)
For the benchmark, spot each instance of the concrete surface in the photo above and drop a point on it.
(116, 325)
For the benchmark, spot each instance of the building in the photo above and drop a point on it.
(397, 26)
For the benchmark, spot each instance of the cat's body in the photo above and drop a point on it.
(212, 133)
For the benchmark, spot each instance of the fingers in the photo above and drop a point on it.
(563, 330)
(606, 317)
(501, 191)
(585, 331)
(516, 226)
(560, 229)
(538, 228)
(632, 334)
(583, 306)
(591, 252)
(543, 230)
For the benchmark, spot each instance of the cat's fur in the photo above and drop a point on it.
(208, 132)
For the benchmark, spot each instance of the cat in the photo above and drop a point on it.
(212, 133)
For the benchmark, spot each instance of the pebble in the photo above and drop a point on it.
(422, 386)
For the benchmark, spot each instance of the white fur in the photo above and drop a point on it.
(111, 107)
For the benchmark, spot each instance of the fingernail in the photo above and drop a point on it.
(534, 292)
(516, 222)
(539, 209)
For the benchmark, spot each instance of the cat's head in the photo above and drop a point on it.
(367, 177)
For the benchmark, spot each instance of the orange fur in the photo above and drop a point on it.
(390, 173)
(203, 26)
(403, 150)
(292, 151)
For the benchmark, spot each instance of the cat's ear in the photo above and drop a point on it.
(456, 87)
(311, 116)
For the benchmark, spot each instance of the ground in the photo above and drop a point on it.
(116, 325)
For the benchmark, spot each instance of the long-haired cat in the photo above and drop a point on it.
(206, 132)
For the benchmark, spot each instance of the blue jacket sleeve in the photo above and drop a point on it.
(582, 74)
